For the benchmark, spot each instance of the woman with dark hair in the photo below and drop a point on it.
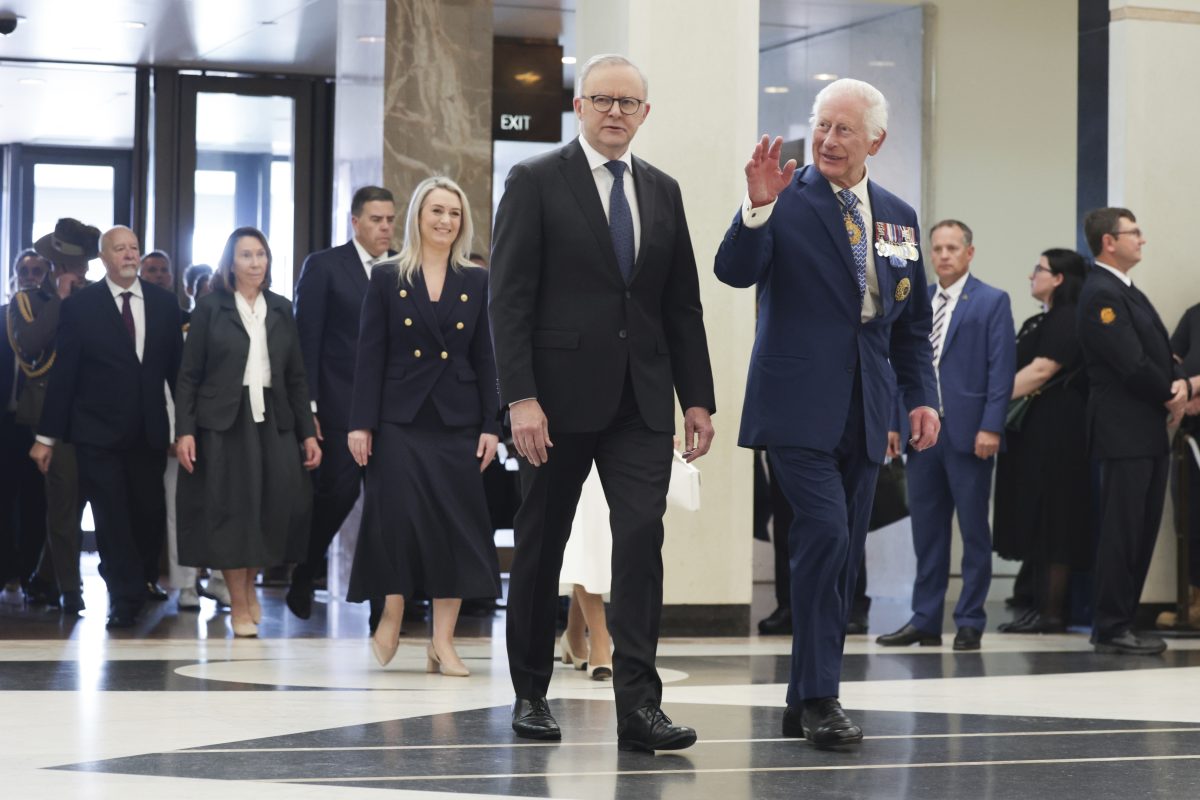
(1042, 483)
(242, 420)
(424, 422)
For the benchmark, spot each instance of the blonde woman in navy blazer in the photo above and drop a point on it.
(424, 422)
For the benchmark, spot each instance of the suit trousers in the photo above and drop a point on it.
(59, 563)
(942, 481)
(831, 496)
(125, 488)
(634, 464)
(336, 486)
(22, 502)
(1132, 493)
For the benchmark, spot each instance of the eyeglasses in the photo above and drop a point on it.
(1135, 231)
(1039, 268)
(603, 103)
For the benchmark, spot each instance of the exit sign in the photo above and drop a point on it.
(527, 91)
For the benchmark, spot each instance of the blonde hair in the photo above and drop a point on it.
(408, 260)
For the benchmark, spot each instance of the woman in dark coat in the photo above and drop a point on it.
(244, 429)
(1042, 481)
(424, 422)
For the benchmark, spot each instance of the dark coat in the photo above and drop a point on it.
(210, 386)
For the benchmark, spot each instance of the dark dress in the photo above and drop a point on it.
(425, 385)
(1185, 344)
(247, 503)
(1042, 506)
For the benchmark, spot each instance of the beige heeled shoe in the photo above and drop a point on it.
(244, 630)
(568, 655)
(256, 613)
(435, 664)
(384, 653)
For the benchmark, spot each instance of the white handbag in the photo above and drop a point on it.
(684, 489)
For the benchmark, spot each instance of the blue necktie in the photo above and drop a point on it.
(858, 237)
(620, 220)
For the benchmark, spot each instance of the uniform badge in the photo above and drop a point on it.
(902, 289)
(1107, 315)
(853, 230)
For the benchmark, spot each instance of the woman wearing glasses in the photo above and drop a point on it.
(1042, 482)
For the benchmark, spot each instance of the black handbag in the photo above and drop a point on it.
(891, 495)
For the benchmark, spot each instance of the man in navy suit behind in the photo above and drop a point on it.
(118, 341)
(841, 287)
(974, 358)
(329, 298)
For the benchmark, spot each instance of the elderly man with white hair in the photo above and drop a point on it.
(836, 260)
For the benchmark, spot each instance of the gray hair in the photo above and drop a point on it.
(609, 60)
(875, 115)
(104, 237)
(409, 258)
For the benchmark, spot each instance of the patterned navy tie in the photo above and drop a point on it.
(620, 220)
(858, 237)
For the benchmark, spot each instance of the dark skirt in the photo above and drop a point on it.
(248, 502)
(425, 523)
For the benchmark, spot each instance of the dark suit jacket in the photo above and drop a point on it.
(210, 385)
(410, 349)
(566, 327)
(979, 361)
(810, 339)
(329, 298)
(9, 373)
(1130, 369)
(99, 394)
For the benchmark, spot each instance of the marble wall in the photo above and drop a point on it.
(437, 101)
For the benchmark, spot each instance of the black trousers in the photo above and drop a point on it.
(634, 464)
(1132, 493)
(22, 502)
(336, 484)
(126, 491)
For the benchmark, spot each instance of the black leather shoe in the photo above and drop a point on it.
(155, 592)
(779, 623)
(826, 725)
(532, 720)
(856, 626)
(72, 602)
(1034, 622)
(793, 728)
(299, 599)
(40, 593)
(967, 638)
(909, 635)
(649, 729)
(121, 618)
(1129, 644)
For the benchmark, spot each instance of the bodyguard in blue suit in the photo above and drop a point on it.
(974, 357)
(837, 266)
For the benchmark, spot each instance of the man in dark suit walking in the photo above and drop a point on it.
(841, 288)
(118, 341)
(1135, 387)
(329, 298)
(974, 358)
(596, 317)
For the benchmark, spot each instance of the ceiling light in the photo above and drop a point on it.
(528, 78)
(824, 76)
(881, 63)
(31, 81)
(268, 22)
(775, 89)
(371, 39)
(568, 60)
(133, 25)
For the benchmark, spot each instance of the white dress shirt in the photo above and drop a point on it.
(604, 184)
(257, 375)
(757, 217)
(1121, 276)
(368, 261)
(137, 304)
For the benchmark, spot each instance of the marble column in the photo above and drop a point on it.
(1153, 72)
(703, 77)
(437, 101)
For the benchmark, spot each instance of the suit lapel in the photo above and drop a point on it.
(229, 310)
(962, 309)
(645, 185)
(452, 293)
(354, 266)
(577, 175)
(818, 192)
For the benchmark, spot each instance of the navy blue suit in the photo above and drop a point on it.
(820, 392)
(978, 361)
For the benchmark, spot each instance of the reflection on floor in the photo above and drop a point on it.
(180, 710)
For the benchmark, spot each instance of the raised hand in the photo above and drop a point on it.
(764, 177)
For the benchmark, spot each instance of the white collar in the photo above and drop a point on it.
(1121, 276)
(596, 159)
(363, 255)
(956, 288)
(117, 290)
(859, 189)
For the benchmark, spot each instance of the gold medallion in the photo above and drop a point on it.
(853, 229)
(902, 289)
(1107, 315)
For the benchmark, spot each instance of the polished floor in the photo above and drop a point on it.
(178, 709)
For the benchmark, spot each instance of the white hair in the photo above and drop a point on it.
(875, 115)
(609, 60)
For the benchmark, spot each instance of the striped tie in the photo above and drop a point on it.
(939, 324)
